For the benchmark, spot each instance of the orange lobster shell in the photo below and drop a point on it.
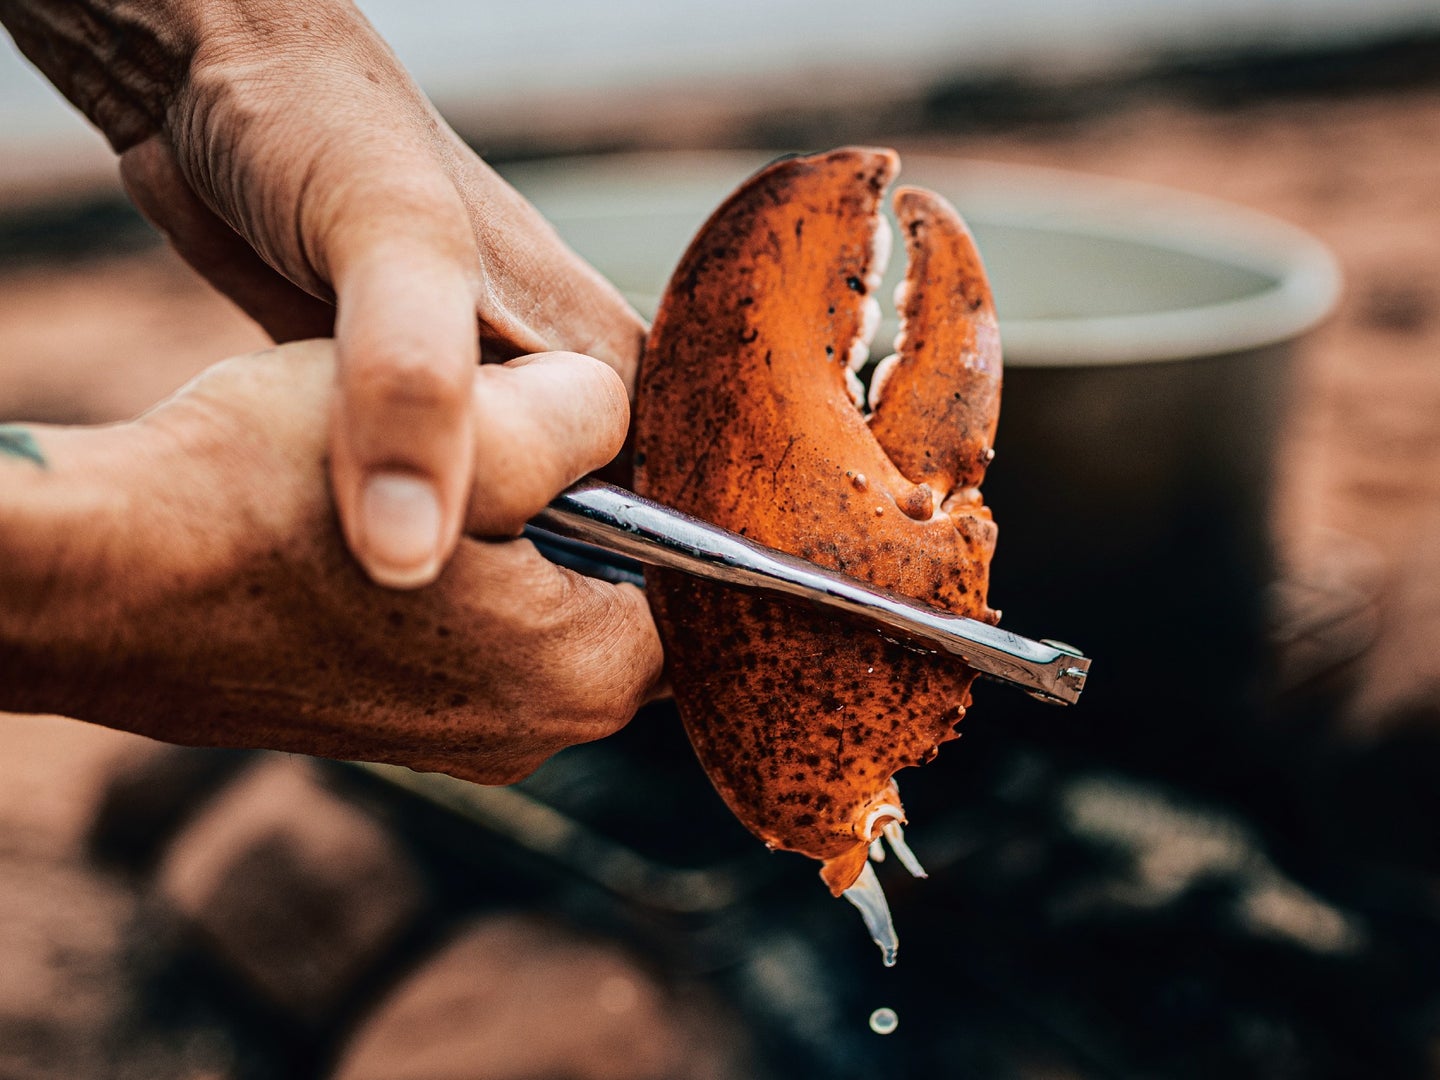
(748, 416)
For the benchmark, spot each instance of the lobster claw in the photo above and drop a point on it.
(750, 415)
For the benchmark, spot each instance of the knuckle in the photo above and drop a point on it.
(424, 193)
(582, 655)
(396, 208)
(407, 380)
(612, 652)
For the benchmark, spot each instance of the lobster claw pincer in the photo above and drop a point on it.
(750, 415)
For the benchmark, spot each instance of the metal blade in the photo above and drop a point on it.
(622, 522)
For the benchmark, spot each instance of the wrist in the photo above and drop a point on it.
(62, 552)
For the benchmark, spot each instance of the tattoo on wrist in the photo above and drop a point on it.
(16, 441)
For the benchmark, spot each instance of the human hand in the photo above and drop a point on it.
(290, 159)
(209, 599)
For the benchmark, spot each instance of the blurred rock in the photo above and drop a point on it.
(147, 800)
(60, 988)
(293, 889)
(518, 998)
(77, 954)
(53, 776)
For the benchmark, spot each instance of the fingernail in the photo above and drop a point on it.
(400, 530)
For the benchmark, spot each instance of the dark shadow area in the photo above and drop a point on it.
(1220, 79)
(71, 230)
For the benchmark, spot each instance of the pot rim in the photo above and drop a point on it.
(1305, 277)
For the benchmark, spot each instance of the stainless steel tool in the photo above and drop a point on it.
(624, 523)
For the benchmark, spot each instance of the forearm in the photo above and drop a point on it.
(118, 61)
(60, 522)
(123, 62)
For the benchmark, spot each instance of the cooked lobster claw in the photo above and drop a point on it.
(750, 415)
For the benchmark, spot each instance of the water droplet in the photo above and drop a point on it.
(884, 1021)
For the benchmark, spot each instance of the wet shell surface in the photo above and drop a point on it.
(749, 415)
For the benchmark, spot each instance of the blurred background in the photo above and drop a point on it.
(1224, 862)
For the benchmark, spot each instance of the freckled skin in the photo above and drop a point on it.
(743, 418)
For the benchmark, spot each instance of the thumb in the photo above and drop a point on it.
(541, 423)
(405, 284)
